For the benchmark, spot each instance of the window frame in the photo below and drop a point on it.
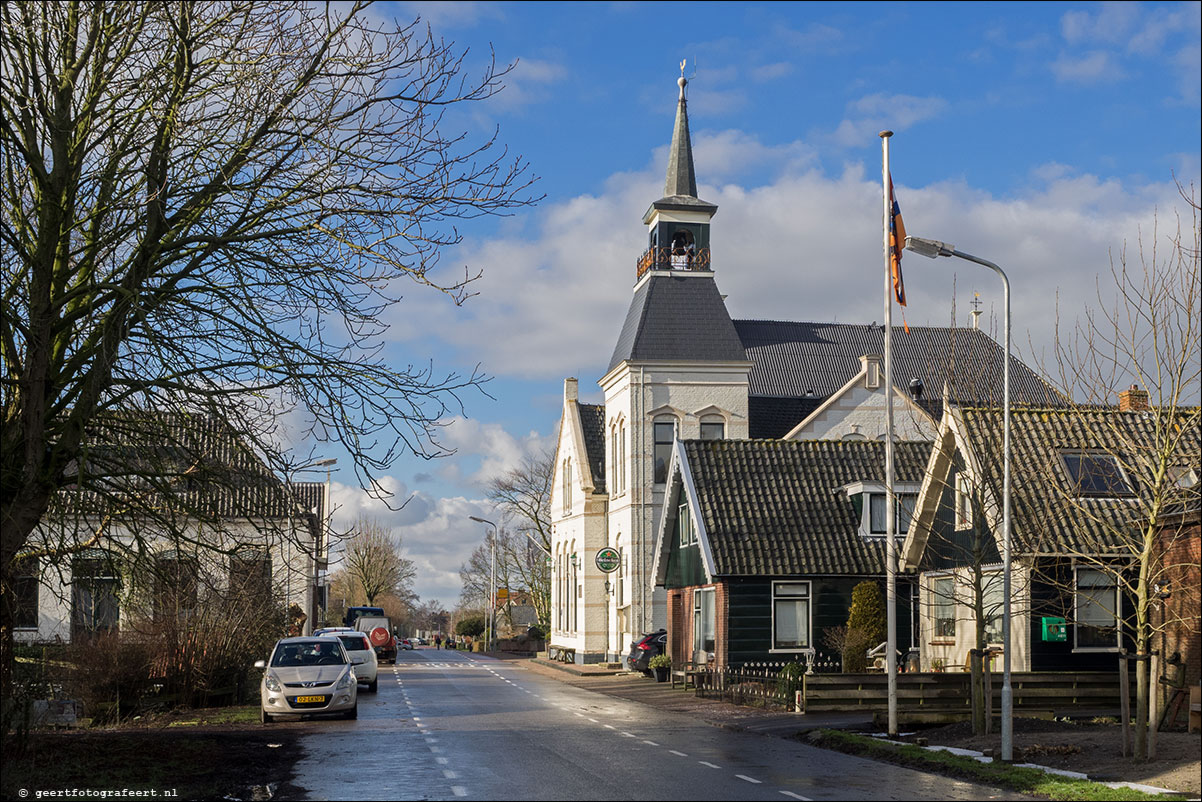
(1103, 457)
(704, 624)
(963, 510)
(685, 527)
(103, 583)
(941, 600)
(660, 476)
(24, 584)
(1117, 611)
(807, 601)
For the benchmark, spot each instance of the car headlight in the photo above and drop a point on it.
(348, 679)
(272, 683)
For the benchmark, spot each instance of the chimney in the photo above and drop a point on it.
(571, 389)
(976, 318)
(1133, 400)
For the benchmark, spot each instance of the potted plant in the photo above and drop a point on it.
(661, 664)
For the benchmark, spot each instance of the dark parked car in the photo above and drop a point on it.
(646, 647)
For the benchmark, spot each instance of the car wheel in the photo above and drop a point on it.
(265, 717)
(353, 713)
(374, 685)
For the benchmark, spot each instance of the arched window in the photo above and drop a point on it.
(621, 467)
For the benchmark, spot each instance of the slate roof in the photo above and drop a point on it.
(592, 421)
(816, 359)
(677, 318)
(770, 506)
(772, 417)
(1046, 517)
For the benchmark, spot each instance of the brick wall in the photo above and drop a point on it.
(1181, 553)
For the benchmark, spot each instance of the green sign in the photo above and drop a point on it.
(608, 560)
(1054, 629)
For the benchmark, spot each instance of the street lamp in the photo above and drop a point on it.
(492, 585)
(933, 248)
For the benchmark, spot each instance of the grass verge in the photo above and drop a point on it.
(996, 774)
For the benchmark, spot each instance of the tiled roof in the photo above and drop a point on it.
(677, 318)
(189, 465)
(592, 421)
(770, 506)
(816, 359)
(1046, 518)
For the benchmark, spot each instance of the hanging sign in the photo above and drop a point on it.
(608, 560)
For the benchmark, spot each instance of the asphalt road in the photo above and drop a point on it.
(450, 725)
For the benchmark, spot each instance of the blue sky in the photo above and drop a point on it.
(1042, 136)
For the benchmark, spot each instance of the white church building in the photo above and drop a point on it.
(682, 369)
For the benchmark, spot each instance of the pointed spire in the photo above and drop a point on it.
(682, 179)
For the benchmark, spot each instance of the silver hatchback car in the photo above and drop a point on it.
(308, 675)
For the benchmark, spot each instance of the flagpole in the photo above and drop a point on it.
(890, 499)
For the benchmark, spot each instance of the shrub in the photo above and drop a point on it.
(660, 661)
(788, 682)
(866, 625)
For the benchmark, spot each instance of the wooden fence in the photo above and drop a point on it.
(1049, 693)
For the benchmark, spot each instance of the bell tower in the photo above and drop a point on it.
(678, 224)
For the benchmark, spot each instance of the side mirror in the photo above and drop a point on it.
(260, 664)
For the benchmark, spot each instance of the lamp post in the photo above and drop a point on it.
(932, 249)
(492, 585)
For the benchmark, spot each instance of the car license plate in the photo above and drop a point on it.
(304, 700)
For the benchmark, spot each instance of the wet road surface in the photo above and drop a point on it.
(452, 725)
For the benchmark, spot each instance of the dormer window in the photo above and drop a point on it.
(713, 429)
(868, 499)
(1095, 474)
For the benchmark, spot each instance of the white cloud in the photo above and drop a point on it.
(436, 533)
(1097, 66)
(498, 450)
(462, 13)
(771, 72)
(870, 114)
(802, 246)
(527, 84)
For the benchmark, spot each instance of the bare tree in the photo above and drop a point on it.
(523, 496)
(373, 559)
(1147, 337)
(206, 210)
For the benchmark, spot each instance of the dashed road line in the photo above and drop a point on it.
(745, 778)
(651, 743)
(681, 754)
(458, 790)
(707, 763)
(797, 796)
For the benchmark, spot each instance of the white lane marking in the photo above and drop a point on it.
(651, 743)
(442, 761)
(431, 740)
(745, 778)
(797, 796)
(450, 775)
(627, 734)
(458, 790)
(609, 726)
(681, 754)
(575, 713)
(711, 765)
(436, 750)
(593, 720)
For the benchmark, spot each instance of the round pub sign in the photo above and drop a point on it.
(608, 560)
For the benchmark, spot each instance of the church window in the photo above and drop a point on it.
(665, 435)
(567, 486)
